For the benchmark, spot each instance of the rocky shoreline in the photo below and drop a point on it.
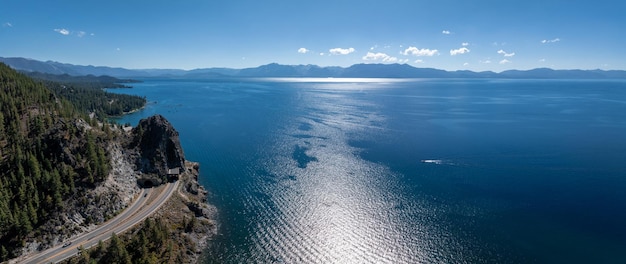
(186, 206)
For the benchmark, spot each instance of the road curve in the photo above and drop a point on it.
(135, 213)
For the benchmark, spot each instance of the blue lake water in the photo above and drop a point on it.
(405, 171)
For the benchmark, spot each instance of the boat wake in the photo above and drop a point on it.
(433, 161)
(440, 162)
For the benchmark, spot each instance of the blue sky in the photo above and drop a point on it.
(445, 34)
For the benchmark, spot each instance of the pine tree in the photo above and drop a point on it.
(56, 188)
(102, 165)
(4, 253)
(116, 252)
(33, 167)
(25, 225)
(1, 125)
(5, 212)
(99, 251)
(32, 212)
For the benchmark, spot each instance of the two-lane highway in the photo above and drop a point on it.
(139, 210)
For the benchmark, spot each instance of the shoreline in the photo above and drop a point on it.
(128, 113)
(134, 110)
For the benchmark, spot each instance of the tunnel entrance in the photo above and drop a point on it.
(145, 183)
(148, 184)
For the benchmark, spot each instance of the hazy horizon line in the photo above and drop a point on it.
(329, 66)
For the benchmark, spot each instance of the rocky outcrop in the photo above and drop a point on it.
(191, 215)
(158, 148)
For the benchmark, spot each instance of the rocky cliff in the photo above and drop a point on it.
(159, 152)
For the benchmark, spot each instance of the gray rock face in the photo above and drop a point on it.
(158, 146)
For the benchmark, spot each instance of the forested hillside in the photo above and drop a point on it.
(86, 93)
(103, 81)
(95, 100)
(48, 154)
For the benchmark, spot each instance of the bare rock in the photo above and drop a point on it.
(159, 149)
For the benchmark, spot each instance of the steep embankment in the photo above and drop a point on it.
(63, 173)
(51, 160)
(180, 229)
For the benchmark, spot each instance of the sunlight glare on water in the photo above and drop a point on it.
(329, 205)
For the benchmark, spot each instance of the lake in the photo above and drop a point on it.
(405, 170)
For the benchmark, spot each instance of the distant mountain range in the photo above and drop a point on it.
(278, 70)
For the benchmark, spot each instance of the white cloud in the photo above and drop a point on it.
(81, 34)
(420, 52)
(550, 40)
(382, 57)
(446, 32)
(340, 51)
(375, 56)
(7, 24)
(542, 60)
(322, 54)
(118, 49)
(419, 61)
(465, 64)
(462, 50)
(506, 54)
(303, 50)
(464, 44)
(485, 61)
(505, 61)
(62, 31)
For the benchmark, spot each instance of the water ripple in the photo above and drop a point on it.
(336, 207)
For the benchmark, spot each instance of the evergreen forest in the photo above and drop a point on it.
(50, 150)
(87, 94)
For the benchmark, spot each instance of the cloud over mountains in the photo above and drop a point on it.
(379, 56)
(341, 51)
(420, 52)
